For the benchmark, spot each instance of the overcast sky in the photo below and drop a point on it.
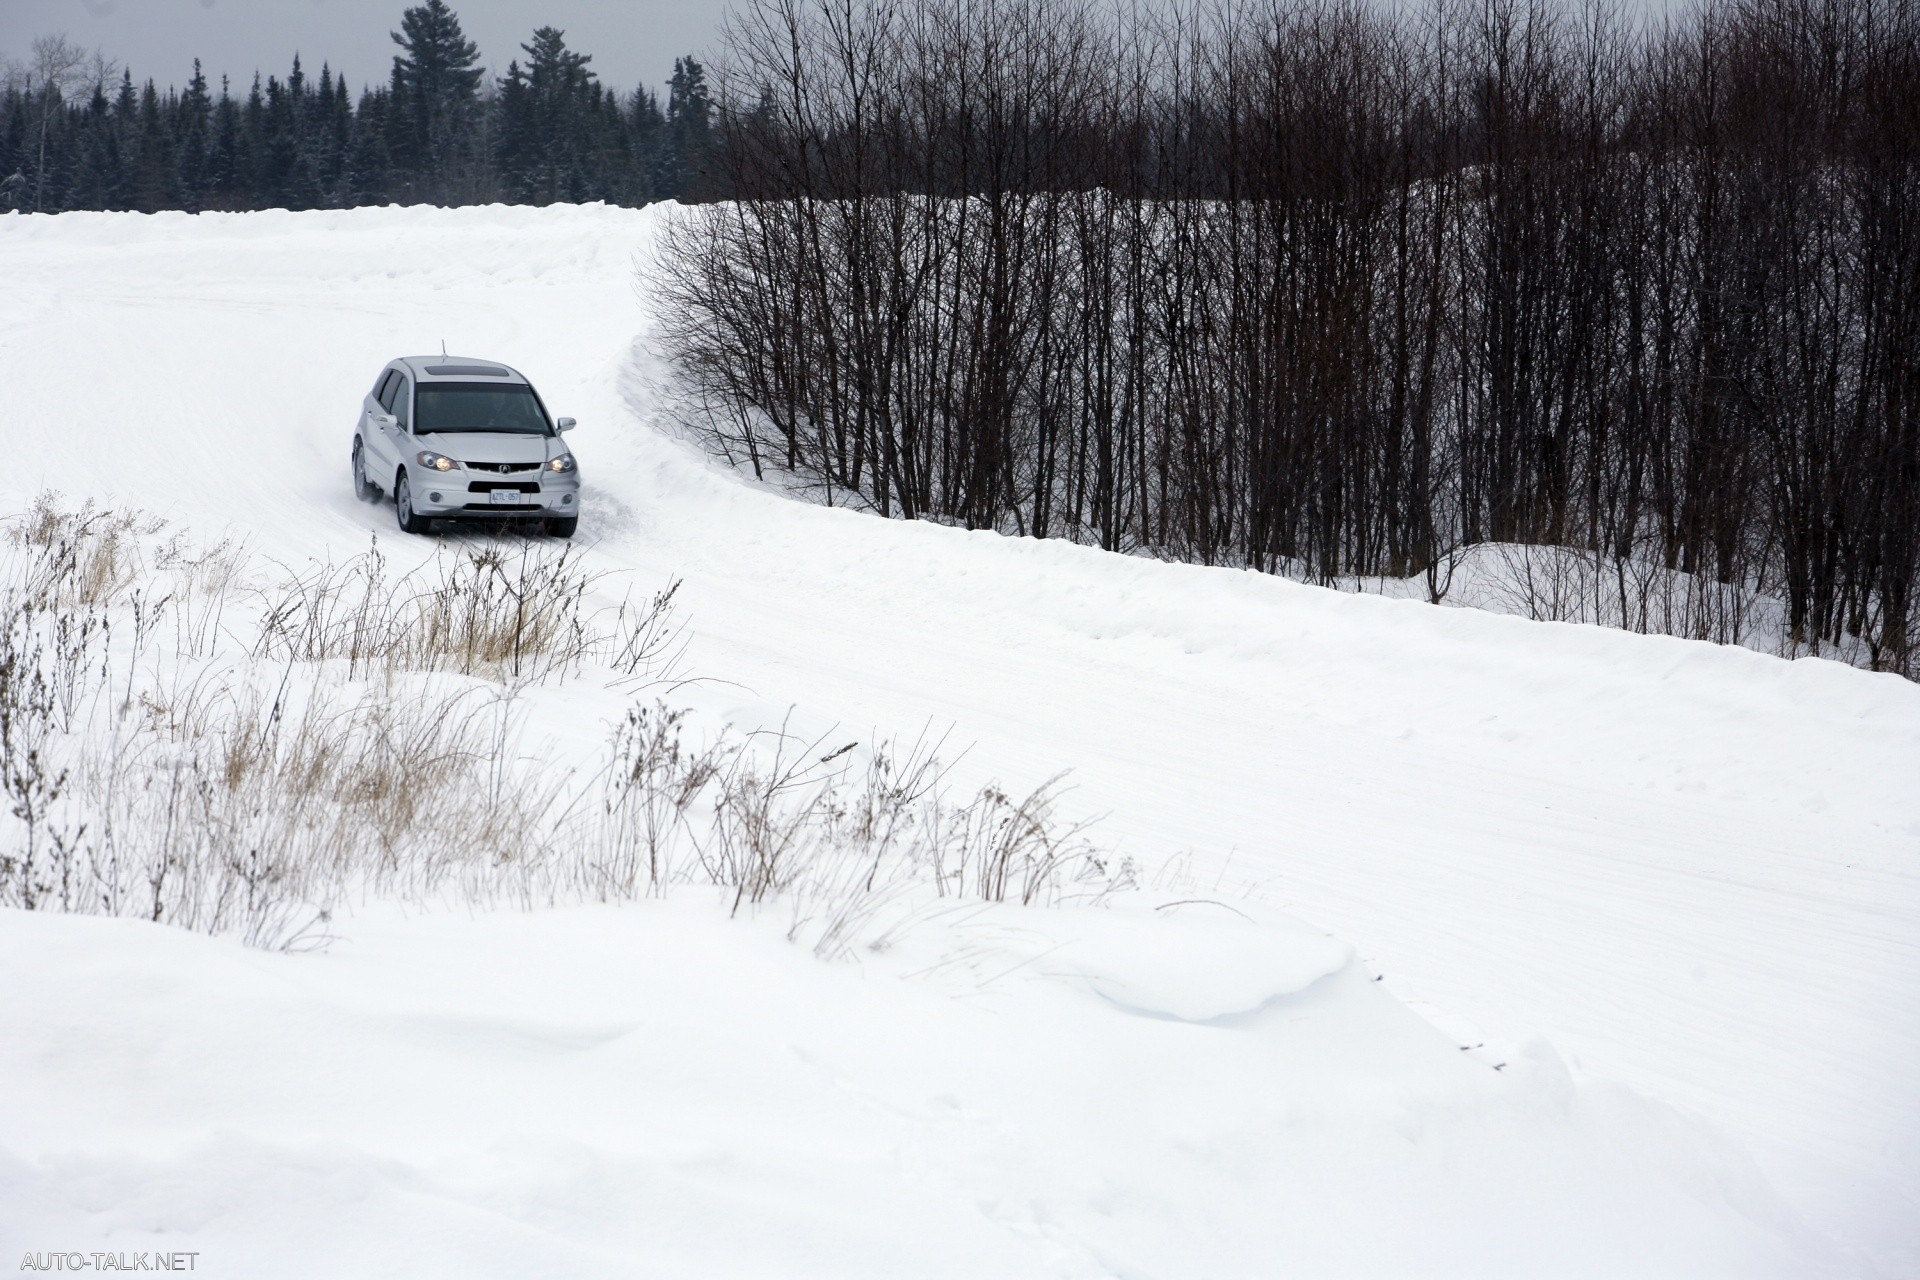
(631, 40)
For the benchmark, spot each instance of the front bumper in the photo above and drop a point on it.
(470, 495)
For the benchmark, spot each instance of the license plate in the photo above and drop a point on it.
(508, 495)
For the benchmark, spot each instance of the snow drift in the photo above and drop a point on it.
(1641, 909)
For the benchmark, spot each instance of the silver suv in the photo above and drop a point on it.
(458, 439)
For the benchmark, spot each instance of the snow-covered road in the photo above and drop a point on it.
(1694, 871)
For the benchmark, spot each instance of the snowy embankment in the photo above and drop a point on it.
(1671, 890)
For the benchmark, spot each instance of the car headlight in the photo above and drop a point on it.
(562, 463)
(437, 461)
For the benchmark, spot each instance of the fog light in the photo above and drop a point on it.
(433, 497)
(567, 501)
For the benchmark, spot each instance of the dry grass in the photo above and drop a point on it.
(520, 614)
(244, 810)
(182, 743)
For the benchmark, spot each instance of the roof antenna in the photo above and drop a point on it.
(443, 348)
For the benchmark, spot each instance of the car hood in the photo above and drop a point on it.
(490, 446)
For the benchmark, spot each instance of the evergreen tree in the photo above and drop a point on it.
(547, 113)
(225, 165)
(195, 134)
(120, 147)
(126, 106)
(332, 133)
(155, 175)
(368, 160)
(276, 144)
(646, 143)
(98, 178)
(689, 130)
(551, 132)
(395, 135)
(14, 188)
(515, 139)
(298, 143)
(436, 99)
(610, 166)
(252, 173)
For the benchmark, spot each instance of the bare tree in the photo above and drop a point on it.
(1335, 292)
(55, 69)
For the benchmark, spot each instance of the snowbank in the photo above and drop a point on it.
(1691, 870)
(654, 1090)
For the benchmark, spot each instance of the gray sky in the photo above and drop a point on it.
(631, 40)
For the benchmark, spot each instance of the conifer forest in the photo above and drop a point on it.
(77, 132)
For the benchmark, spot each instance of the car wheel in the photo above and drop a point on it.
(403, 507)
(563, 526)
(362, 488)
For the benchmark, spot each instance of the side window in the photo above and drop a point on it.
(403, 402)
(387, 384)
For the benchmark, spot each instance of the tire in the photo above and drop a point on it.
(362, 488)
(563, 526)
(403, 506)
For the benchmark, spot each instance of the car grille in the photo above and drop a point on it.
(502, 468)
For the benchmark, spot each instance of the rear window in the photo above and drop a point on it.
(478, 406)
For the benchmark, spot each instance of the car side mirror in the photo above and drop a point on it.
(565, 424)
(384, 420)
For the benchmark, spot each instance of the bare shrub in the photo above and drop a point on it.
(203, 581)
(31, 781)
(653, 779)
(1562, 584)
(1006, 848)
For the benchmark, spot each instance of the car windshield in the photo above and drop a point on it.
(478, 406)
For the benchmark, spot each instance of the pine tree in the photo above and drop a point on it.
(195, 133)
(252, 172)
(689, 130)
(396, 133)
(14, 189)
(548, 112)
(300, 143)
(118, 149)
(224, 165)
(515, 136)
(646, 143)
(436, 95)
(610, 164)
(97, 179)
(368, 165)
(156, 183)
(551, 132)
(332, 136)
(276, 144)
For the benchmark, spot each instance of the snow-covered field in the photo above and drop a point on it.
(1671, 891)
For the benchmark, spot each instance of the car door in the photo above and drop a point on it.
(391, 437)
(372, 404)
